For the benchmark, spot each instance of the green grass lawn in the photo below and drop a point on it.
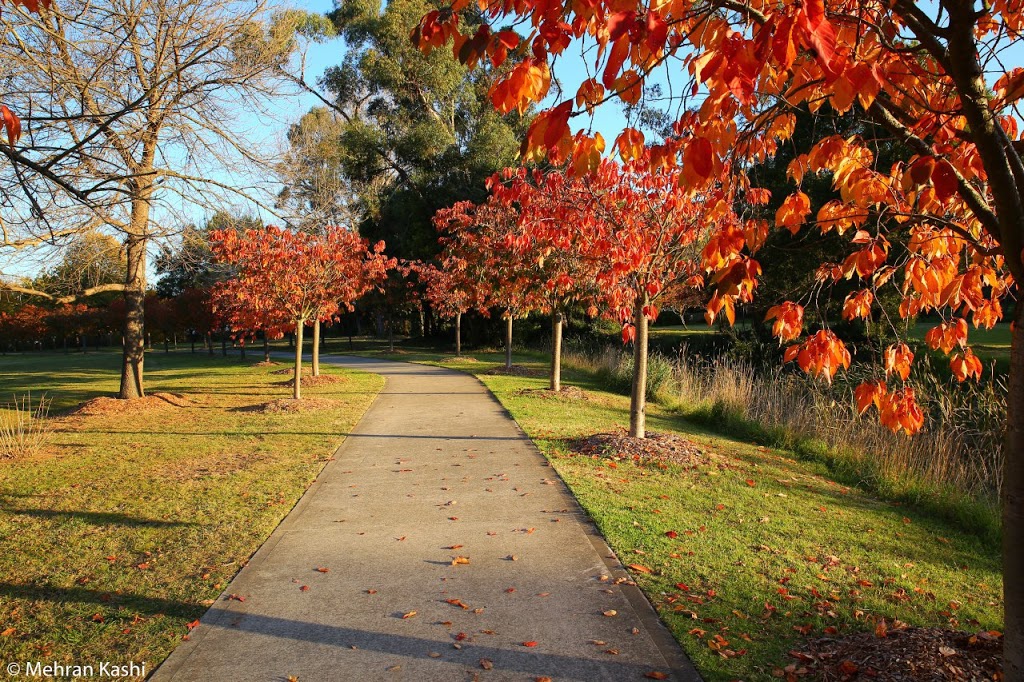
(128, 524)
(752, 546)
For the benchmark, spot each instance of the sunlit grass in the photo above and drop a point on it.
(127, 525)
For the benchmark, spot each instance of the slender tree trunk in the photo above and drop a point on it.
(458, 335)
(423, 323)
(508, 341)
(638, 396)
(167, 344)
(297, 391)
(556, 351)
(209, 343)
(1013, 510)
(266, 347)
(224, 342)
(391, 336)
(193, 343)
(134, 353)
(316, 348)
(174, 338)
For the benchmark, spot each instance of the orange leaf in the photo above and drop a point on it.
(530, 644)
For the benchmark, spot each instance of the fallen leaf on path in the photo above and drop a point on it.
(486, 664)
(530, 644)
(453, 547)
(193, 625)
(408, 614)
(610, 612)
(460, 560)
(457, 602)
(656, 675)
(304, 588)
(640, 568)
(323, 570)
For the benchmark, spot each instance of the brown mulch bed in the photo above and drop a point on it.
(266, 363)
(290, 405)
(567, 393)
(516, 371)
(307, 380)
(153, 401)
(667, 448)
(903, 655)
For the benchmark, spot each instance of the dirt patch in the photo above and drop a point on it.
(516, 371)
(667, 448)
(903, 655)
(266, 363)
(152, 402)
(291, 370)
(215, 466)
(567, 393)
(322, 380)
(285, 405)
(462, 359)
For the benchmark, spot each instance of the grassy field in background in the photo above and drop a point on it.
(128, 524)
(752, 545)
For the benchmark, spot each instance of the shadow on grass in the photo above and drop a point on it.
(136, 602)
(96, 518)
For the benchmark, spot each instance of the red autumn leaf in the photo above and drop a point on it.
(530, 644)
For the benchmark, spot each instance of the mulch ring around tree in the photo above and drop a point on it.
(266, 363)
(567, 393)
(516, 371)
(307, 380)
(664, 448)
(153, 401)
(902, 655)
(289, 405)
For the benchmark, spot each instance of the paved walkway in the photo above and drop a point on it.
(436, 470)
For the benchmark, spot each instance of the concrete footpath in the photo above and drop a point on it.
(452, 551)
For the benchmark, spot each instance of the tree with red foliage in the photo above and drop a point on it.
(549, 238)
(642, 232)
(449, 290)
(931, 76)
(26, 325)
(482, 237)
(306, 277)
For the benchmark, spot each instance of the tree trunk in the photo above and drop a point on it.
(391, 336)
(508, 341)
(133, 355)
(266, 347)
(316, 348)
(193, 343)
(209, 343)
(297, 390)
(458, 335)
(1013, 510)
(423, 323)
(638, 396)
(556, 351)
(224, 342)
(167, 344)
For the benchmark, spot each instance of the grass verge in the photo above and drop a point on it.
(123, 530)
(753, 552)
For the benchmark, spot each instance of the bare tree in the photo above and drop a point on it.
(131, 107)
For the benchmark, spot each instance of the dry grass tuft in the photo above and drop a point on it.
(25, 429)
